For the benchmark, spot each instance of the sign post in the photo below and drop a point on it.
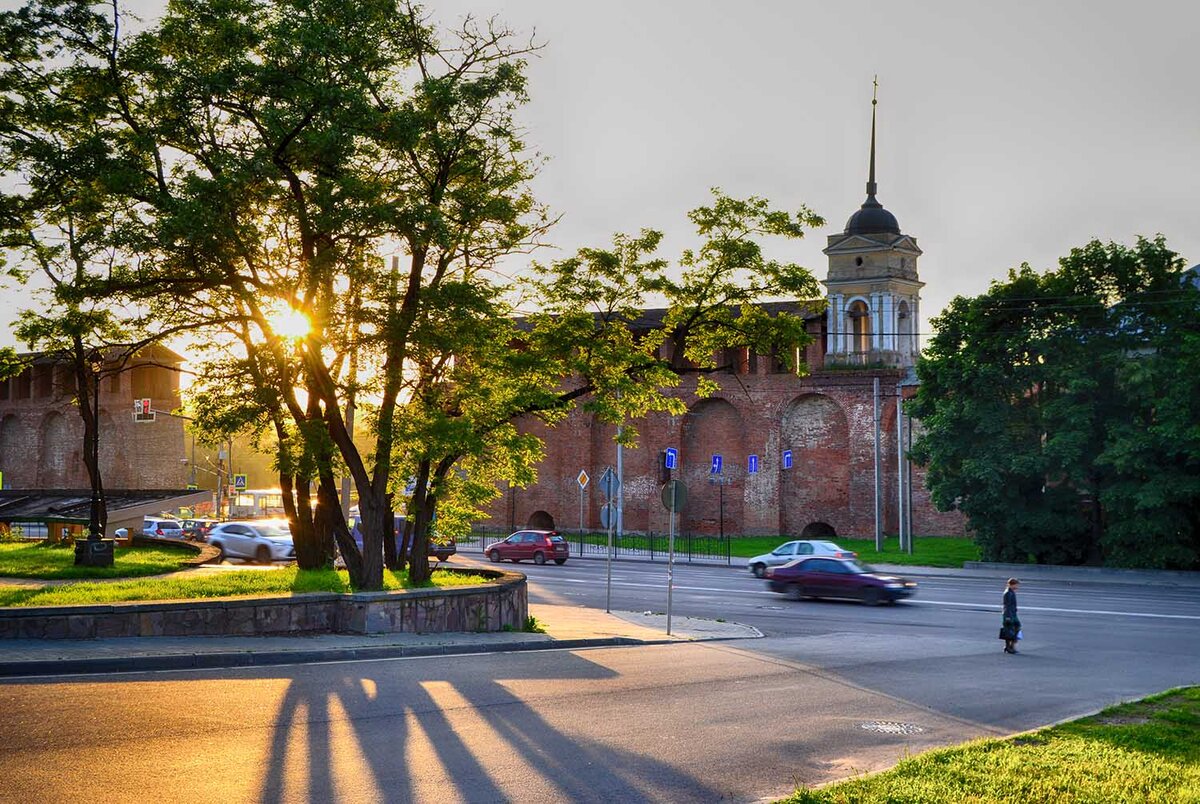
(674, 496)
(610, 484)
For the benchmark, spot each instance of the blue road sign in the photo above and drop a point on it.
(609, 483)
(715, 469)
(752, 464)
(671, 458)
(787, 459)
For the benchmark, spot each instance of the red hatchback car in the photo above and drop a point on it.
(536, 545)
(825, 576)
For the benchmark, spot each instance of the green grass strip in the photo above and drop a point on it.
(1145, 751)
(928, 551)
(211, 584)
(57, 562)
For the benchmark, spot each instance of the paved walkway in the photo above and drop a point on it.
(566, 627)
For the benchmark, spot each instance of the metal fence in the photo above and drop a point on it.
(689, 548)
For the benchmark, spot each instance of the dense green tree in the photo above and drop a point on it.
(1040, 404)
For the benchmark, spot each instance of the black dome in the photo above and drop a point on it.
(872, 218)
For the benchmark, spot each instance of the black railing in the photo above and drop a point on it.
(651, 546)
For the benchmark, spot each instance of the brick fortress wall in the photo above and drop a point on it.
(41, 433)
(826, 419)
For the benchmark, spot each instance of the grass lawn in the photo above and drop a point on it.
(53, 562)
(201, 584)
(1146, 751)
(930, 551)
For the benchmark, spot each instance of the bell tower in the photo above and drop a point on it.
(872, 286)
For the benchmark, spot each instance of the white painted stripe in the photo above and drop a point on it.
(986, 607)
(917, 601)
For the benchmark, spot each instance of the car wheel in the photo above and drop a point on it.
(443, 556)
(872, 597)
(220, 552)
(560, 561)
(539, 558)
(794, 592)
(759, 570)
(493, 556)
(263, 554)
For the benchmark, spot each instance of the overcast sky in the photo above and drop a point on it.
(1008, 132)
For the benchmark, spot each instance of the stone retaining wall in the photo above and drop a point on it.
(492, 606)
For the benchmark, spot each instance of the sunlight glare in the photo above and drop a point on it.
(289, 322)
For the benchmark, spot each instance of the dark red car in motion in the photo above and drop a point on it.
(535, 545)
(824, 576)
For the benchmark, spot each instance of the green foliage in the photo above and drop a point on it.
(532, 626)
(1146, 751)
(11, 533)
(1059, 409)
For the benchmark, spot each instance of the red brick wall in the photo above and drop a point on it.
(826, 419)
(41, 436)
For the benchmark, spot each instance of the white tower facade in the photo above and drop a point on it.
(872, 287)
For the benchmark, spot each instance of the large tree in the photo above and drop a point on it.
(256, 157)
(1055, 409)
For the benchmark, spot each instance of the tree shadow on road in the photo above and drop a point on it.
(421, 734)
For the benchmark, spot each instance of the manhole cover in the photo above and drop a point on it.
(891, 727)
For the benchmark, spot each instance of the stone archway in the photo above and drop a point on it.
(817, 487)
(540, 520)
(713, 427)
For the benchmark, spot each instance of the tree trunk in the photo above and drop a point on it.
(332, 529)
(87, 379)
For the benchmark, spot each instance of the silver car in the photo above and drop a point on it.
(261, 540)
(790, 551)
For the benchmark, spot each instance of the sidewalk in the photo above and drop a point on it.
(567, 627)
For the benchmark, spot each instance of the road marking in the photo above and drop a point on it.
(977, 606)
(988, 607)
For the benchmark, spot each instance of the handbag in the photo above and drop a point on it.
(1020, 635)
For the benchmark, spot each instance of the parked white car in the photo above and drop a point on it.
(790, 551)
(262, 541)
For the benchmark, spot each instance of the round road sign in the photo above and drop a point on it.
(674, 495)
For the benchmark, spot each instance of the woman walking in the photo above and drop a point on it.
(1010, 625)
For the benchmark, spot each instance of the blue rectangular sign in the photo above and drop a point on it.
(716, 465)
(787, 459)
(671, 458)
(752, 464)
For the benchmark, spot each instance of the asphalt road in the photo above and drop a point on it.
(1087, 645)
(688, 722)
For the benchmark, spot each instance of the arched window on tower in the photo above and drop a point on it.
(904, 328)
(860, 326)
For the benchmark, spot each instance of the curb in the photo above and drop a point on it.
(208, 661)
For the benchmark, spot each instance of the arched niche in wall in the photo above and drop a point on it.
(713, 427)
(56, 450)
(817, 487)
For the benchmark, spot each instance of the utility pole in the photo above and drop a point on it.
(878, 474)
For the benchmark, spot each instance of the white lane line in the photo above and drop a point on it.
(978, 606)
(988, 607)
